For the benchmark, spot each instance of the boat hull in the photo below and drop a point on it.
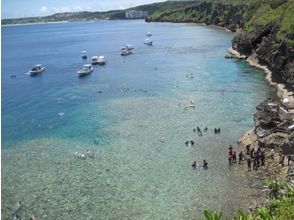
(85, 73)
(36, 72)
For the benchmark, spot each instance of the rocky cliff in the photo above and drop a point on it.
(266, 29)
(276, 54)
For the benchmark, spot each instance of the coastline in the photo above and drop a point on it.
(272, 168)
(36, 23)
(282, 92)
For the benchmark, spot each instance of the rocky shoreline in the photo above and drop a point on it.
(273, 131)
(282, 90)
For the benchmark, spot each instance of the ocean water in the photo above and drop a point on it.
(144, 98)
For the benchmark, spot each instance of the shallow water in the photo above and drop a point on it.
(133, 175)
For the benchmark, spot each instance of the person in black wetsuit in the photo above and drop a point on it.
(194, 165)
(205, 164)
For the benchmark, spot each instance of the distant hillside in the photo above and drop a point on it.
(113, 14)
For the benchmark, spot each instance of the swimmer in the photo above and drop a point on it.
(205, 164)
(194, 164)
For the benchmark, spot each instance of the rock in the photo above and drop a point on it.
(271, 129)
(276, 54)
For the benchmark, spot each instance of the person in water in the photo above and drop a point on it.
(194, 165)
(192, 142)
(205, 164)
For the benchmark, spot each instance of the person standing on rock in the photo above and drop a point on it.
(252, 153)
(249, 163)
(272, 153)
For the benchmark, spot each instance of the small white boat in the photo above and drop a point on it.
(148, 41)
(36, 69)
(126, 52)
(127, 47)
(95, 60)
(86, 69)
(101, 60)
(84, 54)
(148, 34)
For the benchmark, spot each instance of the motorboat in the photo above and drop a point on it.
(148, 41)
(86, 69)
(127, 47)
(101, 60)
(148, 34)
(125, 52)
(36, 69)
(94, 60)
(84, 54)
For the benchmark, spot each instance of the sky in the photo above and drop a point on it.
(33, 8)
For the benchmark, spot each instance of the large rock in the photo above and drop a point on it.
(277, 55)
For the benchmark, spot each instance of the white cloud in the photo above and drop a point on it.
(44, 9)
(61, 9)
(78, 8)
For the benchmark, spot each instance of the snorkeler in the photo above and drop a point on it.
(205, 164)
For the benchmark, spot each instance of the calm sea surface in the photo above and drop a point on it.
(135, 126)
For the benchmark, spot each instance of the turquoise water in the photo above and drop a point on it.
(145, 97)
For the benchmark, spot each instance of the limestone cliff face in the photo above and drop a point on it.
(277, 55)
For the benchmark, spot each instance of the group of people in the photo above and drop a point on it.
(204, 165)
(255, 158)
(216, 130)
(190, 143)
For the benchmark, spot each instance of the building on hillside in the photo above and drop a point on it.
(132, 14)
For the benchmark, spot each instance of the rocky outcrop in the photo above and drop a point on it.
(276, 55)
(272, 129)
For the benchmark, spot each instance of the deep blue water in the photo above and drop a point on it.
(147, 90)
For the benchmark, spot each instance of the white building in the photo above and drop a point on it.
(136, 14)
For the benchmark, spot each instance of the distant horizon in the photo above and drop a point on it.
(13, 9)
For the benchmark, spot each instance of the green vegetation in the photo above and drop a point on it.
(280, 205)
(250, 14)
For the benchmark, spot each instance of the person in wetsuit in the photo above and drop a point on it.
(205, 164)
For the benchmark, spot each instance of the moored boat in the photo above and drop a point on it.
(125, 52)
(84, 54)
(148, 34)
(128, 47)
(95, 60)
(36, 70)
(101, 60)
(86, 69)
(148, 41)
